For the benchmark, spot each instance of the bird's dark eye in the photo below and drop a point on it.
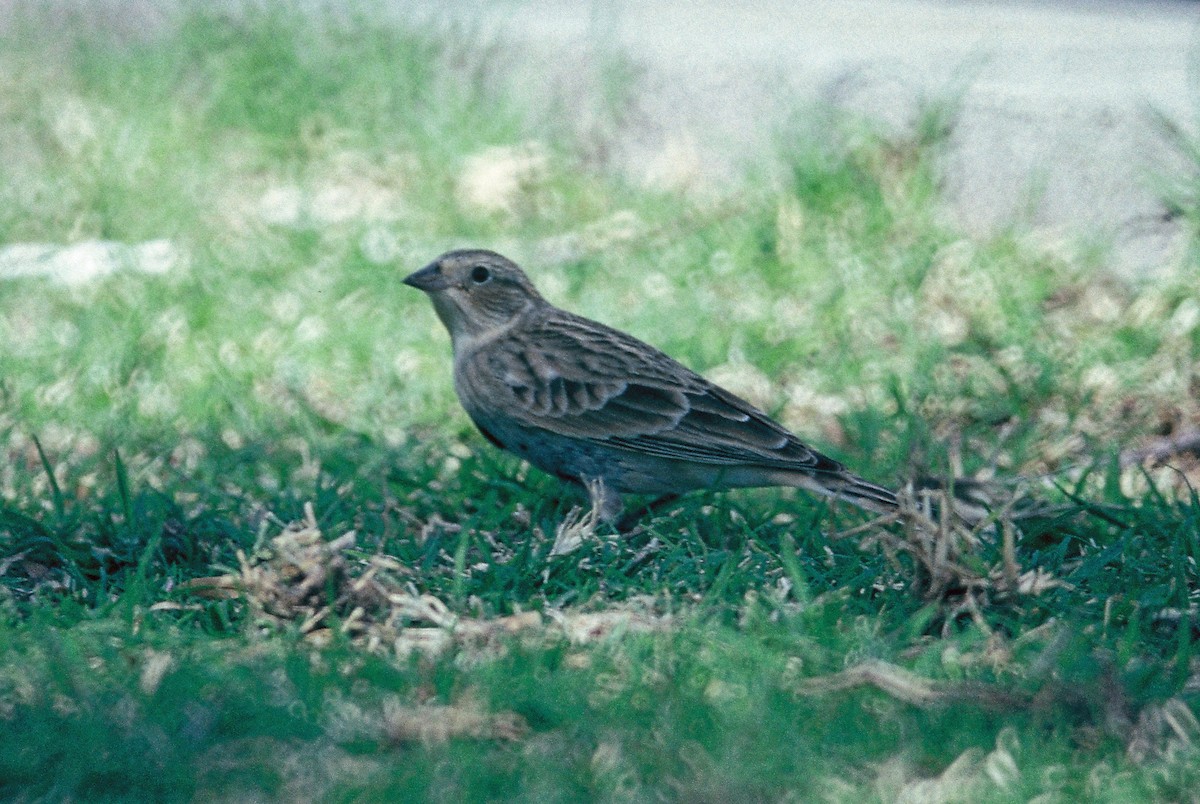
(480, 274)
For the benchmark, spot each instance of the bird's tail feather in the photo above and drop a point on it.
(853, 489)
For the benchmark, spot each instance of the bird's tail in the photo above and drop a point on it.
(853, 489)
(964, 501)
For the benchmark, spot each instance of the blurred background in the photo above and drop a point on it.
(1058, 105)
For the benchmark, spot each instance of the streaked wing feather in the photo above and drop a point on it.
(694, 439)
(584, 380)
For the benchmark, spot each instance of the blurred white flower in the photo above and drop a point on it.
(553, 285)
(311, 328)
(948, 326)
(656, 286)
(1100, 378)
(406, 363)
(806, 404)
(171, 327)
(282, 206)
(91, 259)
(156, 400)
(156, 256)
(722, 263)
(745, 380)
(286, 307)
(380, 245)
(335, 204)
(1100, 304)
(678, 166)
(493, 181)
(56, 393)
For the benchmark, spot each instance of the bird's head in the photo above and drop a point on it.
(475, 292)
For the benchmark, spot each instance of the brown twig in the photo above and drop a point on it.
(1163, 449)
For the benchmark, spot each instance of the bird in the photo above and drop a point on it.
(594, 405)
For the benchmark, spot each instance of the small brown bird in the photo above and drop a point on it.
(589, 403)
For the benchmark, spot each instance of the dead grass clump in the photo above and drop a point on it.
(1159, 731)
(327, 590)
(438, 723)
(956, 550)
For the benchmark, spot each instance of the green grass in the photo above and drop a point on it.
(158, 428)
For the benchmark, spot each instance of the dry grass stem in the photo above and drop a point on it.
(324, 590)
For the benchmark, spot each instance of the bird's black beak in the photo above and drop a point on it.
(429, 279)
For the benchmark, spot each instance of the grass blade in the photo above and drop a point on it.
(56, 492)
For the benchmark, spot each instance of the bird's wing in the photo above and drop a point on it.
(581, 379)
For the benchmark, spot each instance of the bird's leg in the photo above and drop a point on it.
(604, 500)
